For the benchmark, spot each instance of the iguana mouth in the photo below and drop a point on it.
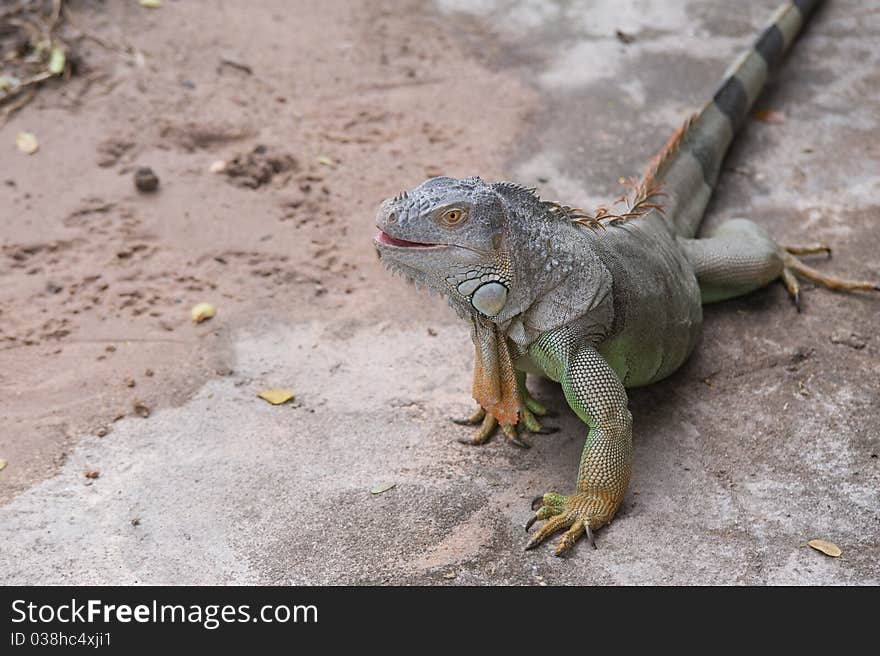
(385, 239)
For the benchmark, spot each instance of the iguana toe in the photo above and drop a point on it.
(794, 267)
(809, 250)
(473, 420)
(531, 403)
(484, 432)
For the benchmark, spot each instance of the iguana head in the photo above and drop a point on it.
(456, 237)
(498, 252)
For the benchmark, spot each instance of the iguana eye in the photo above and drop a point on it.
(453, 216)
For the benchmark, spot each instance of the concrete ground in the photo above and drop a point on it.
(768, 437)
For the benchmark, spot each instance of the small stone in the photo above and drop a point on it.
(141, 409)
(102, 432)
(92, 474)
(146, 180)
(148, 373)
(130, 382)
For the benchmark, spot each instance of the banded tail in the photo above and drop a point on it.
(689, 165)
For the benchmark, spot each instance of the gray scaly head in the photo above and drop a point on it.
(449, 236)
(492, 248)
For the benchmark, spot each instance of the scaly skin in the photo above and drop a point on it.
(596, 301)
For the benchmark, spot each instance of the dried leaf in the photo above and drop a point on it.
(3, 464)
(27, 142)
(326, 161)
(150, 4)
(202, 312)
(379, 489)
(769, 116)
(57, 60)
(276, 396)
(827, 548)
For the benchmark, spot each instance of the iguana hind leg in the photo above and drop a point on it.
(529, 411)
(741, 257)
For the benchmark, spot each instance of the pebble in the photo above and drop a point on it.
(146, 180)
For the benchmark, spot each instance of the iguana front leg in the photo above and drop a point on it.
(529, 411)
(597, 396)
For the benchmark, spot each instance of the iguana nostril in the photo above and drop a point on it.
(392, 218)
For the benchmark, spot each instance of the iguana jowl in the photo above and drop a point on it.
(596, 301)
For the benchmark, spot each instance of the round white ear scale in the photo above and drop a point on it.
(490, 298)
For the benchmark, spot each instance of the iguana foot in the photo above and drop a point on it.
(580, 513)
(792, 265)
(488, 424)
(529, 411)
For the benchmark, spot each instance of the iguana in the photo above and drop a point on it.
(597, 301)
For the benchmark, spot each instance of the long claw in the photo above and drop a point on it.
(537, 499)
(548, 430)
(513, 437)
(530, 523)
(590, 539)
(793, 286)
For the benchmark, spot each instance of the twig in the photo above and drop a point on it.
(17, 104)
(236, 65)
